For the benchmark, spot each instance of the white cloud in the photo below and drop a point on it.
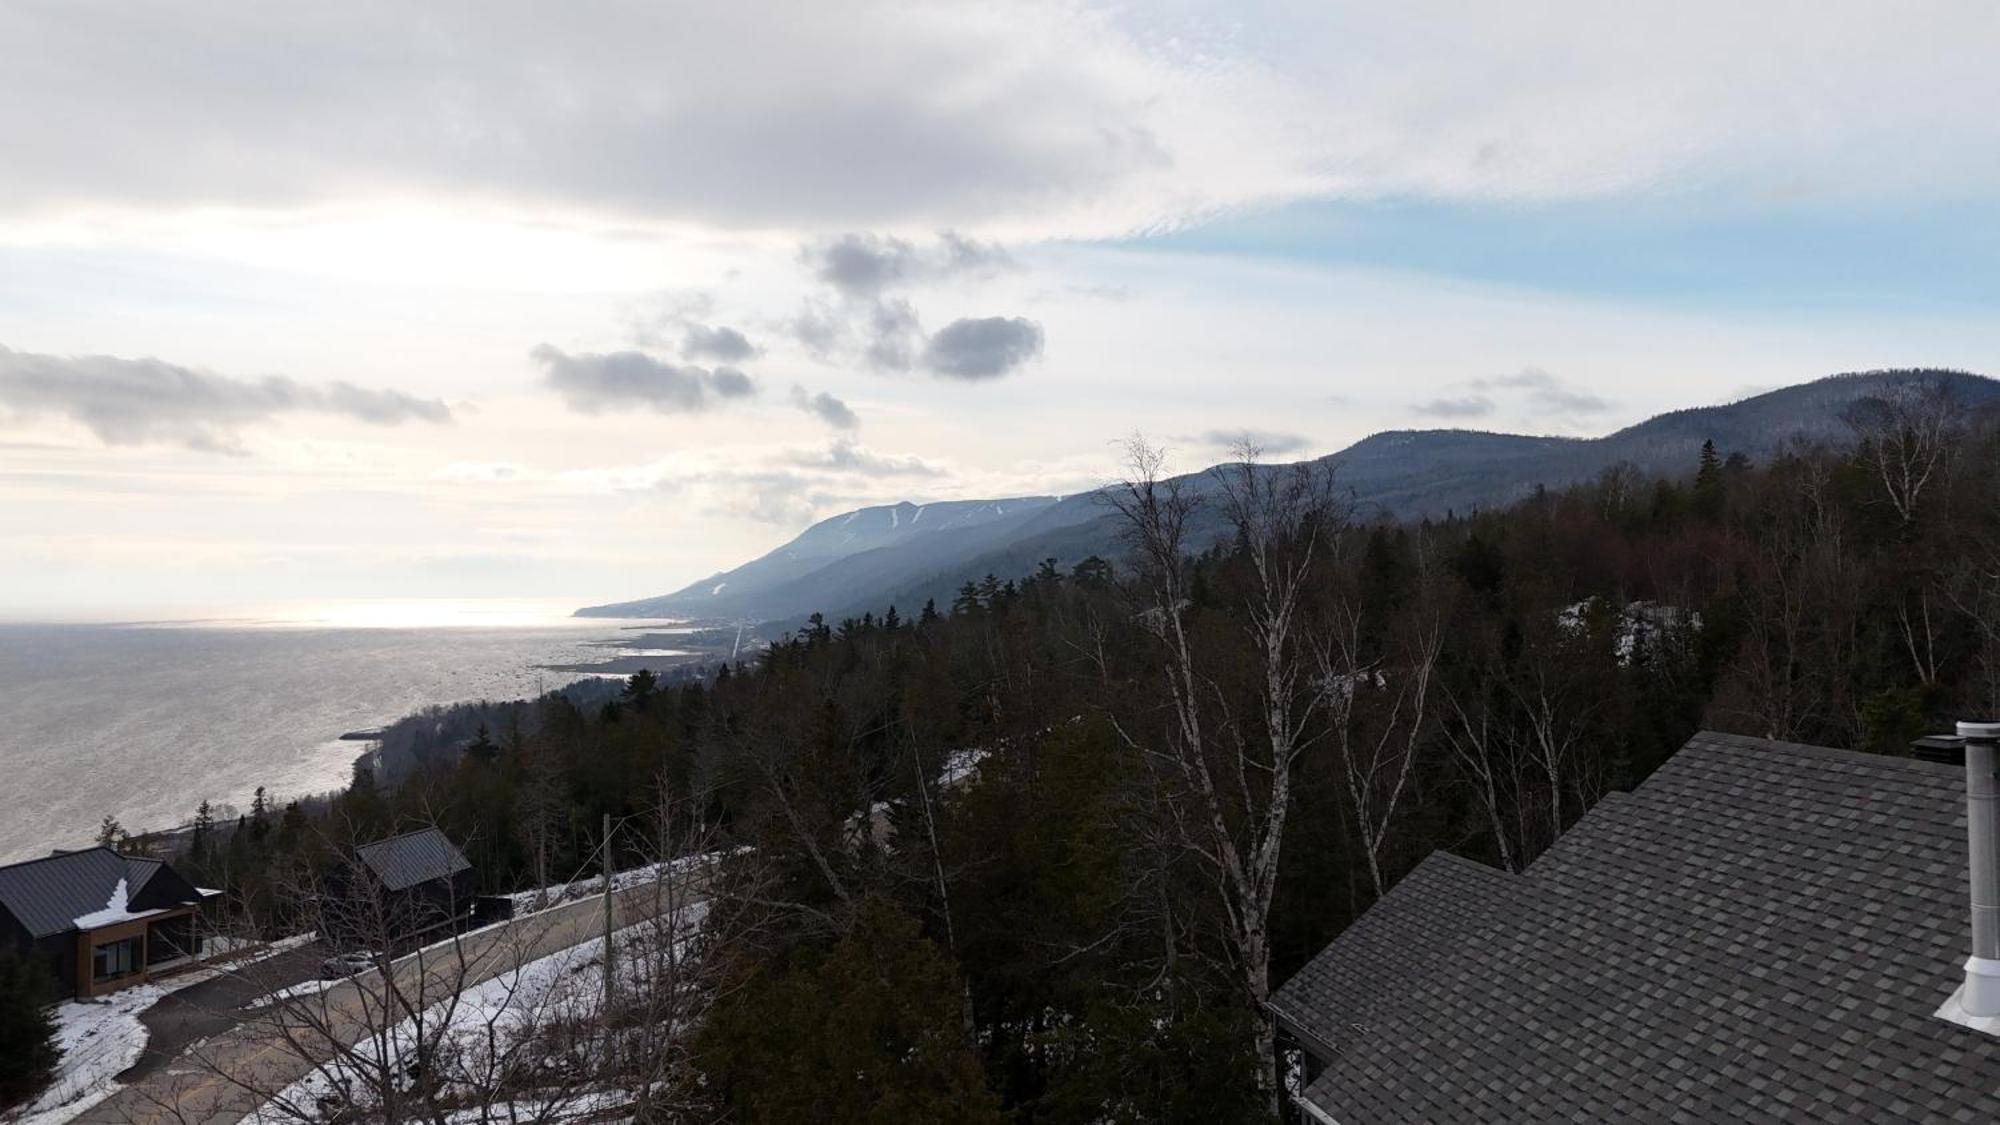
(1024, 120)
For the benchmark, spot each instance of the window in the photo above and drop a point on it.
(114, 959)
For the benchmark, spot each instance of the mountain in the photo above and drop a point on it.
(903, 554)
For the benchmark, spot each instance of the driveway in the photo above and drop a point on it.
(224, 1078)
(189, 1015)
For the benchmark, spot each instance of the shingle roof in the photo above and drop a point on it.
(46, 896)
(1762, 930)
(401, 862)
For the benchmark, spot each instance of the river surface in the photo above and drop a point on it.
(143, 722)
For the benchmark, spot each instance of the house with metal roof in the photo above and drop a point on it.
(1760, 931)
(102, 921)
(406, 887)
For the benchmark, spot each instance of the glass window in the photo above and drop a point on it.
(115, 959)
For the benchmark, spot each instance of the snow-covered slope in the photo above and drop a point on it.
(805, 574)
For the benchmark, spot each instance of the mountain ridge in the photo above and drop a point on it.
(852, 562)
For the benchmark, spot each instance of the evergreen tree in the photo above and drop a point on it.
(640, 688)
(873, 1029)
(1708, 482)
(28, 1048)
(930, 614)
(201, 837)
(109, 832)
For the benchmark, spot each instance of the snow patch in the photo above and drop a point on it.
(114, 911)
(99, 1038)
(717, 589)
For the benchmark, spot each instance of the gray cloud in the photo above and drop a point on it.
(893, 336)
(864, 266)
(826, 408)
(719, 342)
(1467, 406)
(592, 382)
(147, 401)
(1545, 391)
(1270, 442)
(983, 347)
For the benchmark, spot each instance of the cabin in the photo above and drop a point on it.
(408, 888)
(1760, 931)
(101, 921)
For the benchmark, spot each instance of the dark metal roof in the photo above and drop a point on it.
(1761, 931)
(46, 896)
(401, 862)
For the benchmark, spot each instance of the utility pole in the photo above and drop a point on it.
(606, 845)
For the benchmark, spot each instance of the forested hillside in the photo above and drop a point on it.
(1038, 854)
(862, 560)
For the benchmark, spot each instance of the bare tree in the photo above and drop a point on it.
(1226, 782)
(1906, 433)
(442, 1024)
(1378, 745)
(1483, 753)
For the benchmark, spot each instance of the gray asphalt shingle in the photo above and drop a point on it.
(1762, 930)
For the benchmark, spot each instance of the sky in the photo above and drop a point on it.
(509, 300)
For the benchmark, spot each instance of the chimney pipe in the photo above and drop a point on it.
(1982, 836)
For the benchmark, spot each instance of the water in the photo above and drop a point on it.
(144, 722)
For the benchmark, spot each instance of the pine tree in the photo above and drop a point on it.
(109, 832)
(930, 613)
(201, 837)
(260, 816)
(28, 1050)
(1708, 482)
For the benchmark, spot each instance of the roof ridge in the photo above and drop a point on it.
(64, 855)
(402, 835)
(1744, 743)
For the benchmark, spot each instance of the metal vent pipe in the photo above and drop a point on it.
(1982, 839)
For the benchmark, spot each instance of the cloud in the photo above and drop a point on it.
(149, 401)
(1064, 120)
(1546, 391)
(1467, 406)
(1267, 442)
(720, 342)
(983, 347)
(893, 335)
(592, 383)
(842, 455)
(864, 266)
(826, 408)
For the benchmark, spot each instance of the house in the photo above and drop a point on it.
(102, 921)
(1761, 931)
(408, 886)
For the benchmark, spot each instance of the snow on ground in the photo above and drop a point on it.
(492, 1019)
(545, 898)
(101, 1037)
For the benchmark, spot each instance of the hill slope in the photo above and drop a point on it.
(902, 554)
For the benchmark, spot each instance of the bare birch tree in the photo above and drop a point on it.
(1378, 745)
(1227, 782)
(1906, 433)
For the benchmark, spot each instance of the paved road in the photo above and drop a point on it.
(208, 1084)
(189, 1015)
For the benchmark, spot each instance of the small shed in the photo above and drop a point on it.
(419, 882)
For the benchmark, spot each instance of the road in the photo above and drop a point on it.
(226, 1078)
(188, 1015)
